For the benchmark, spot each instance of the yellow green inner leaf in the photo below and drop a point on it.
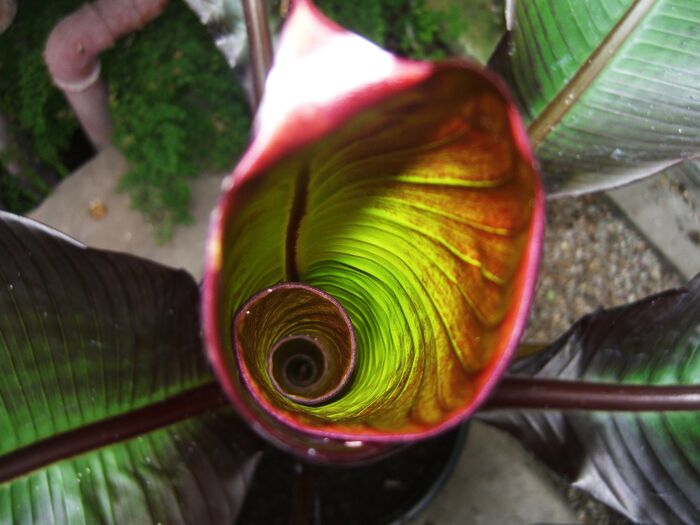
(416, 218)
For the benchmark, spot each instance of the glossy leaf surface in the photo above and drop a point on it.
(88, 335)
(406, 191)
(610, 88)
(644, 464)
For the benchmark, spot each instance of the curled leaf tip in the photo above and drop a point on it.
(321, 73)
(294, 345)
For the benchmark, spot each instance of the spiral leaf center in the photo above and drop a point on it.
(297, 363)
(295, 342)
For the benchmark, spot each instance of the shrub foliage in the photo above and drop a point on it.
(177, 108)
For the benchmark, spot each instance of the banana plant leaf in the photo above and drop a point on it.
(406, 192)
(103, 391)
(645, 464)
(610, 88)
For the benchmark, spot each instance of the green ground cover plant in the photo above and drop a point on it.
(177, 107)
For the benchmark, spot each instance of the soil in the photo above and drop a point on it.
(592, 258)
(390, 491)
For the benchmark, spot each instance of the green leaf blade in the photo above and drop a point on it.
(646, 465)
(610, 88)
(88, 337)
(74, 348)
(566, 34)
(185, 473)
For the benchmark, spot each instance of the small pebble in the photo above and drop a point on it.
(97, 209)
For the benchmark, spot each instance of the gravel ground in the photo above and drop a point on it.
(592, 259)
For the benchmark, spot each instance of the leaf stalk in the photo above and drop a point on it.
(536, 393)
(259, 43)
(111, 430)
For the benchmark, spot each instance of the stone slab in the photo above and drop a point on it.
(668, 218)
(496, 482)
(121, 228)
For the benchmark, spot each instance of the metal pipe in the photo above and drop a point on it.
(259, 43)
(72, 51)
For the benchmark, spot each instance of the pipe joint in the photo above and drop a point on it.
(80, 85)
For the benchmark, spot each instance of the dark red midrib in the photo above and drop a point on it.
(109, 431)
(512, 392)
(562, 103)
(556, 394)
(296, 214)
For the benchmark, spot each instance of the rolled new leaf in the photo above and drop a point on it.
(298, 341)
(103, 388)
(609, 88)
(406, 192)
(644, 464)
